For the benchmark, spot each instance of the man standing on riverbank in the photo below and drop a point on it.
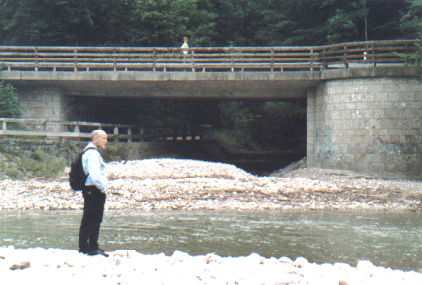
(93, 194)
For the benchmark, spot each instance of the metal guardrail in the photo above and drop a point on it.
(27, 127)
(88, 59)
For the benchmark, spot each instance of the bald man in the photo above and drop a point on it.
(94, 194)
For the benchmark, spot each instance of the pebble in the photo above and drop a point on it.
(173, 184)
(131, 267)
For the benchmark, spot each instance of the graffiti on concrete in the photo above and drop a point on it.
(324, 143)
(386, 148)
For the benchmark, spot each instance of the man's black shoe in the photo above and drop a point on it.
(103, 252)
(98, 252)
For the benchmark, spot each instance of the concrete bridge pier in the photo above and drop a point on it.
(371, 125)
(41, 102)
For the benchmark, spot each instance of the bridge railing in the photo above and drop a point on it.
(40, 128)
(374, 53)
(26, 58)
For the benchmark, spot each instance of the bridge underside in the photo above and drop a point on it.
(275, 85)
(216, 85)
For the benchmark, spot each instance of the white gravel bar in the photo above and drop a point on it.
(56, 266)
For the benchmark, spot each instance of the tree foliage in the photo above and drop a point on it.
(9, 103)
(205, 22)
(411, 24)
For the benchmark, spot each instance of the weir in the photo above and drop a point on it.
(364, 112)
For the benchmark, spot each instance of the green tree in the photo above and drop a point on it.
(66, 22)
(382, 19)
(166, 22)
(46, 22)
(411, 21)
(272, 23)
(235, 128)
(9, 102)
(411, 25)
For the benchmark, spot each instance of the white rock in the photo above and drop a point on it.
(301, 262)
(285, 259)
(365, 266)
(179, 256)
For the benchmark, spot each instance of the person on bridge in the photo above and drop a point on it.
(94, 194)
(185, 47)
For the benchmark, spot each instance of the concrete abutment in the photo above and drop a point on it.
(369, 125)
(46, 103)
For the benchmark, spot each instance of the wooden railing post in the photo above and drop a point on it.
(232, 59)
(75, 57)
(36, 58)
(373, 55)
(116, 134)
(272, 59)
(4, 125)
(324, 63)
(312, 59)
(129, 135)
(346, 64)
(193, 60)
(141, 134)
(154, 60)
(114, 60)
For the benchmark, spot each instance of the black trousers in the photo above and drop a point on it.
(89, 231)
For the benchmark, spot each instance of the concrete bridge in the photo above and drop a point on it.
(364, 103)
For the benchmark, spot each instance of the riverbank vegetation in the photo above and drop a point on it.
(17, 163)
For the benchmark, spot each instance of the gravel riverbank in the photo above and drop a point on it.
(162, 184)
(130, 267)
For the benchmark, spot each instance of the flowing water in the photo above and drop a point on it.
(387, 239)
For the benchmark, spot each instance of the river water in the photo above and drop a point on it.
(387, 239)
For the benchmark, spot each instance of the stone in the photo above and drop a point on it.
(365, 266)
(301, 262)
(285, 259)
(21, 266)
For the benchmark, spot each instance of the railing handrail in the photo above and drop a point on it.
(206, 58)
(41, 130)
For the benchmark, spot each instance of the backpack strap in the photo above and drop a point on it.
(88, 148)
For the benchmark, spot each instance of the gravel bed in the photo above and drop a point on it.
(162, 184)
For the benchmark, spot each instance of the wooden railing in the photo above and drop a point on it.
(39, 128)
(26, 58)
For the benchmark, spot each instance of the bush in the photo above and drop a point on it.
(113, 152)
(12, 172)
(9, 101)
(44, 165)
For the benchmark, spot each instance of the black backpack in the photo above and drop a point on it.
(77, 175)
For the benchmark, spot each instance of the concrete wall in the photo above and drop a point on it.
(48, 103)
(371, 125)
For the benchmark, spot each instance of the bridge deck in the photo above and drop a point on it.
(235, 72)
